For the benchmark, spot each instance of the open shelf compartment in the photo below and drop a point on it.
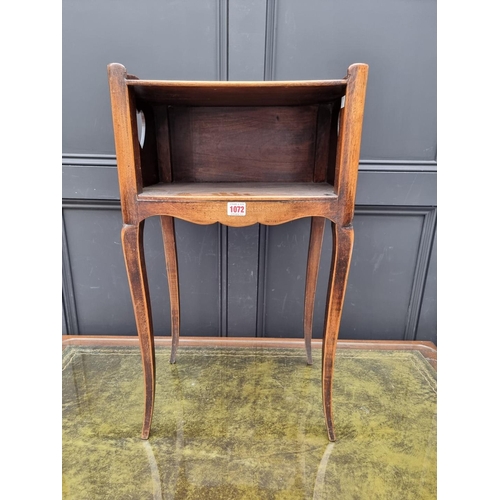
(281, 134)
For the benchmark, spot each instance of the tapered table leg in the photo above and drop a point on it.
(133, 249)
(313, 258)
(343, 239)
(168, 232)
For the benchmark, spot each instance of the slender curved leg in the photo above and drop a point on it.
(343, 239)
(133, 250)
(313, 258)
(168, 232)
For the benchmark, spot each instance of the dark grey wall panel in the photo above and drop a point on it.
(242, 276)
(386, 251)
(198, 254)
(397, 188)
(286, 267)
(250, 281)
(89, 182)
(70, 316)
(397, 38)
(64, 327)
(247, 26)
(380, 281)
(427, 324)
(100, 283)
(101, 294)
(154, 39)
(382, 272)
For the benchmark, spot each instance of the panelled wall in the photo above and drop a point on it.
(250, 281)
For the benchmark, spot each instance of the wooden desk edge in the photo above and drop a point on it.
(427, 349)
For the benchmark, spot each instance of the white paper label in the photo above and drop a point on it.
(236, 208)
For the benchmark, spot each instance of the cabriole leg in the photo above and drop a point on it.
(343, 239)
(168, 232)
(313, 258)
(133, 249)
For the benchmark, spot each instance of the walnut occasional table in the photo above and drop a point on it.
(238, 153)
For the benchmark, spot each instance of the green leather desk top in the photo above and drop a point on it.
(247, 423)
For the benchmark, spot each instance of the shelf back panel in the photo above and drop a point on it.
(243, 144)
